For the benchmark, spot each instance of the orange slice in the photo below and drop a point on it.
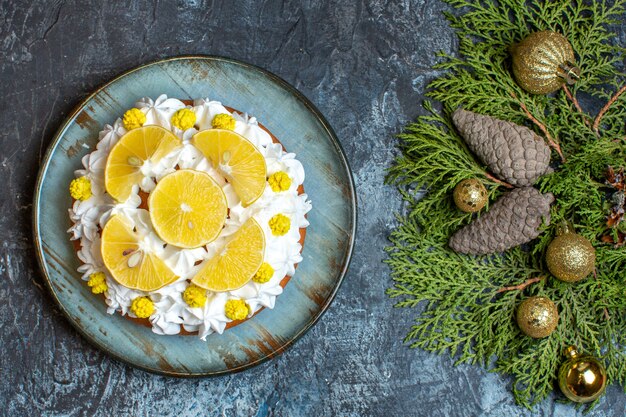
(237, 159)
(123, 167)
(237, 263)
(130, 264)
(188, 208)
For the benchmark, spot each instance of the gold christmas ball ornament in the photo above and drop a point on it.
(570, 257)
(543, 62)
(537, 317)
(470, 195)
(582, 378)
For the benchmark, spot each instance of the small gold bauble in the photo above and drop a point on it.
(570, 257)
(470, 195)
(543, 62)
(537, 317)
(582, 378)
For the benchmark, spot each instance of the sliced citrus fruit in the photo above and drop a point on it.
(237, 263)
(130, 264)
(188, 208)
(128, 155)
(237, 159)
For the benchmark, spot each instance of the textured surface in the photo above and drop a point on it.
(365, 65)
(514, 219)
(512, 152)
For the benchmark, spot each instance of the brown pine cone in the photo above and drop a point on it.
(513, 219)
(513, 153)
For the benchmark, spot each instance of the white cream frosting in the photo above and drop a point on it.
(171, 312)
(159, 111)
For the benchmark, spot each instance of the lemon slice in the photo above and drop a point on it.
(128, 155)
(130, 264)
(237, 159)
(188, 208)
(237, 263)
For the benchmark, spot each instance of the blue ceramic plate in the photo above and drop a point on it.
(329, 241)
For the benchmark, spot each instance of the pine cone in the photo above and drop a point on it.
(513, 153)
(513, 219)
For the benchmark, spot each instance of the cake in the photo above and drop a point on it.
(188, 216)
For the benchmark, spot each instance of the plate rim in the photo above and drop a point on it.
(43, 168)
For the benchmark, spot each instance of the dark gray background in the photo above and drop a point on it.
(365, 65)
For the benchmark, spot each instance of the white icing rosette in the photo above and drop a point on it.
(160, 111)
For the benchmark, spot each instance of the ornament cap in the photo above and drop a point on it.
(569, 72)
(565, 227)
(571, 352)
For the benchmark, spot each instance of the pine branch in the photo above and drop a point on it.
(575, 102)
(497, 181)
(553, 143)
(523, 285)
(465, 306)
(598, 119)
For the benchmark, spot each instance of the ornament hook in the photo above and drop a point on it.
(569, 72)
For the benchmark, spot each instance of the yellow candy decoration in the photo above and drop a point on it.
(80, 189)
(195, 296)
(279, 224)
(97, 283)
(279, 181)
(142, 307)
(133, 119)
(184, 119)
(236, 309)
(223, 121)
(264, 273)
